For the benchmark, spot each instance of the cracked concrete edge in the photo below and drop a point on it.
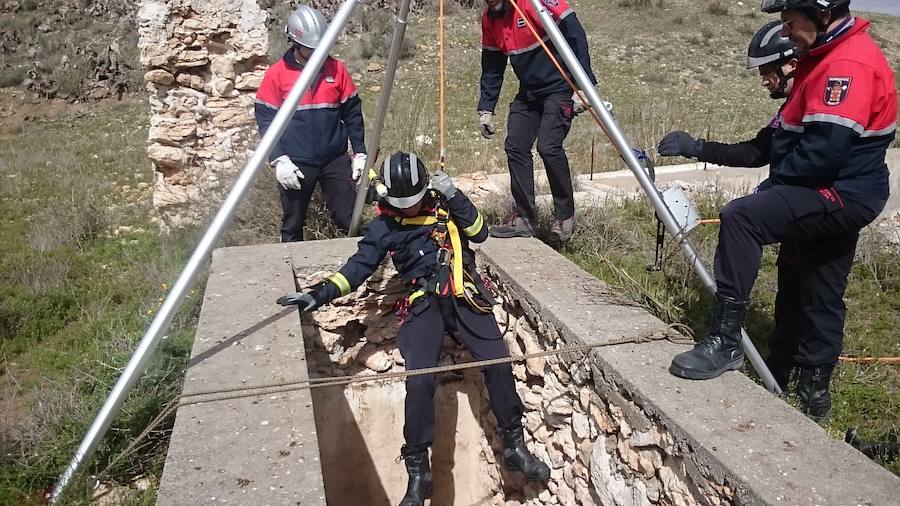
(730, 427)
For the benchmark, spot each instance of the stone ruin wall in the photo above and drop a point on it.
(204, 62)
(603, 448)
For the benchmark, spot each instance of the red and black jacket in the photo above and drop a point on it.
(505, 36)
(329, 112)
(840, 118)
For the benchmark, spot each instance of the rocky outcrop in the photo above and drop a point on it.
(204, 62)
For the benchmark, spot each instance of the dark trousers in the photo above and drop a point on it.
(548, 120)
(421, 337)
(785, 337)
(337, 189)
(822, 227)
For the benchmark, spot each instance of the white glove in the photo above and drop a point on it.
(486, 124)
(359, 164)
(287, 174)
(579, 106)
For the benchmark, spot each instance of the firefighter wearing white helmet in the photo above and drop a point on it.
(313, 148)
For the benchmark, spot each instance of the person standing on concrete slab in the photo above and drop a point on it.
(313, 148)
(427, 232)
(775, 57)
(543, 108)
(829, 180)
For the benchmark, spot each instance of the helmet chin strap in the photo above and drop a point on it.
(779, 91)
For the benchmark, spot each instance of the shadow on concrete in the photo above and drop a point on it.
(227, 342)
(348, 469)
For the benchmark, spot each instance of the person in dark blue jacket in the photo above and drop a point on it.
(829, 180)
(776, 59)
(427, 234)
(543, 108)
(313, 148)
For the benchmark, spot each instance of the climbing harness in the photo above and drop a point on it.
(450, 276)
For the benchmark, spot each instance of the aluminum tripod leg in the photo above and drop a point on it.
(617, 137)
(175, 297)
(375, 136)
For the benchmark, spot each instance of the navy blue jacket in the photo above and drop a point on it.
(411, 247)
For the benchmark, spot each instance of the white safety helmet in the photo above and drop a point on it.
(305, 26)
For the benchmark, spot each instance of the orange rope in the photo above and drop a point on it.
(558, 66)
(441, 81)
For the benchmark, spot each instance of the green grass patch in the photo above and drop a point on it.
(82, 272)
(616, 243)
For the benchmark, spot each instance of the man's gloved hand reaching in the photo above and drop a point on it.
(311, 300)
(359, 164)
(680, 143)
(486, 124)
(441, 182)
(304, 300)
(287, 174)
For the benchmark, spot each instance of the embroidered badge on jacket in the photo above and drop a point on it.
(836, 89)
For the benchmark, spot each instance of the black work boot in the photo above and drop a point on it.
(517, 457)
(812, 390)
(721, 350)
(515, 227)
(781, 368)
(421, 483)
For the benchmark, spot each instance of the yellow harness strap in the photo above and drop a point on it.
(456, 267)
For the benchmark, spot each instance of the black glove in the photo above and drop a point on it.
(305, 301)
(680, 143)
(310, 301)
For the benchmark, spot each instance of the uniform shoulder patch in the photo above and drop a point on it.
(836, 89)
(550, 3)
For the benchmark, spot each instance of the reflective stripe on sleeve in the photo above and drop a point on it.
(343, 285)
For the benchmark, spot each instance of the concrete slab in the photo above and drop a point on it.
(733, 427)
(260, 449)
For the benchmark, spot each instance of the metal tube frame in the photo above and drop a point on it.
(617, 137)
(387, 86)
(186, 279)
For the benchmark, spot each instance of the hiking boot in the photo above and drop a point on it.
(516, 227)
(812, 390)
(561, 231)
(721, 350)
(421, 483)
(517, 457)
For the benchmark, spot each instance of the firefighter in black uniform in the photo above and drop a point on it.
(828, 180)
(775, 57)
(427, 232)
